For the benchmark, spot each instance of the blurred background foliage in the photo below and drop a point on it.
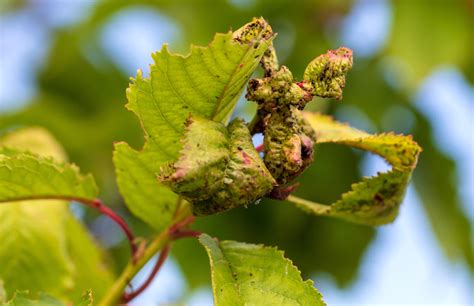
(66, 64)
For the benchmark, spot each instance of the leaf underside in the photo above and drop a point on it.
(249, 274)
(208, 83)
(374, 200)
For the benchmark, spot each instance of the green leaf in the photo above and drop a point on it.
(26, 176)
(417, 32)
(87, 298)
(32, 252)
(137, 180)
(44, 249)
(36, 140)
(3, 294)
(227, 174)
(90, 273)
(374, 200)
(208, 83)
(249, 274)
(23, 298)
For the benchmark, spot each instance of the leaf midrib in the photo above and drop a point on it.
(234, 72)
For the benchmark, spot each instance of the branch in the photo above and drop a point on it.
(113, 296)
(102, 208)
(127, 297)
(185, 234)
(115, 293)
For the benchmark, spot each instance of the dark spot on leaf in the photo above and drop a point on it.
(378, 197)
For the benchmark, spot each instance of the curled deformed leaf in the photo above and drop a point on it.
(277, 91)
(374, 200)
(218, 168)
(250, 274)
(325, 76)
(288, 138)
(207, 83)
(288, 145)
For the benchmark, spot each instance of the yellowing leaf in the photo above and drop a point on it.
(3, 294)
(374, 200)
(36, 140)
(32, 249)
(26, 176)
(43, 248)
(23, 298)
(249, 274)
(208, 82)
(90, 272)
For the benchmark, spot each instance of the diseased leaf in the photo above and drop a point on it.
(249, 274)
(208, 82)
(43, 248)
(374, 200)
(23, 298)
(218, 168)
(327, 73)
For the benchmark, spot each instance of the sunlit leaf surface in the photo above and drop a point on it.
(250, 274)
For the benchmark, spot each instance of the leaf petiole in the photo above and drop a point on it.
(317, 208)
(105, 210)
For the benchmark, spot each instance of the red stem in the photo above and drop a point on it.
(178, 225)
(184, 234)
(127, 297)
(120, 222)
(102, 208)
(175, 232)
